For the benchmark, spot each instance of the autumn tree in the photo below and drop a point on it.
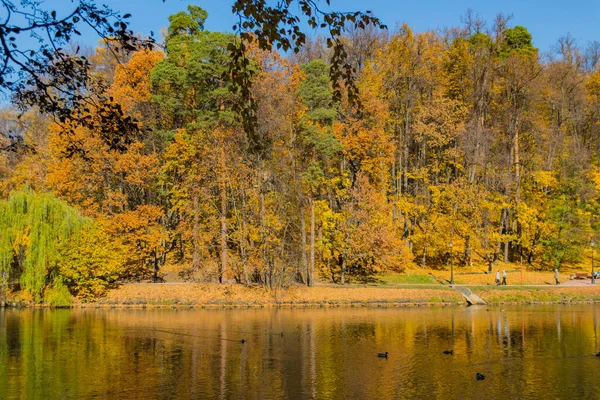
(118, 188)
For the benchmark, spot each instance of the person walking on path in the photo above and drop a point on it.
(504, 277)
(556, 276)
(498, 278)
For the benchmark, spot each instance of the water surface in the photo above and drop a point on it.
(524, 352)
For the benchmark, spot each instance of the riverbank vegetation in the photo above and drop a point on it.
(219, 296)
(467, 147)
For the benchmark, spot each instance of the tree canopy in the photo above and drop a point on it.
(61, 82)
(466, 136)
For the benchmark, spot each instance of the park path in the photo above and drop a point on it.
(579, 282)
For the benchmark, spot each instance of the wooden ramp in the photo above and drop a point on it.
(471, 297)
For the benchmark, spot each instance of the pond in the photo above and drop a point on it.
(523, 351)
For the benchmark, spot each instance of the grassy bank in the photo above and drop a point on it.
(224, 296)
(477, 276)
(212, 295)
(412, 288)
(528, 295)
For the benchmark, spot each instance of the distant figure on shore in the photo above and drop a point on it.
(556, 276)
(504, 277)
(497, 278)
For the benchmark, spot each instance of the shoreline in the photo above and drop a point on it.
(232, 296)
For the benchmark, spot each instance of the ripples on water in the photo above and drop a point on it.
(524, 352)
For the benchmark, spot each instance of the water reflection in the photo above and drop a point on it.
(532, 351)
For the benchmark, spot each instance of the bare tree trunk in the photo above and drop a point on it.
(241, 217)
(344, 257)
(501, 229)
(155, 275)
(517, 182)
(504, 228)
(223, 268)
(506, 244)
(517, 161)
(406, 152)
(196, 232)
(242, 241)
(304, 269)
(265, 248)
(311, 279)
(467, 253)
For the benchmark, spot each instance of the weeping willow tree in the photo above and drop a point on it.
(32, 227)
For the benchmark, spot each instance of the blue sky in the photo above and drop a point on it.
(547, 20)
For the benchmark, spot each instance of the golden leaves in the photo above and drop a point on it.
(132, 80)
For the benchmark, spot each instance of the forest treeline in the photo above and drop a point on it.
(467, 144)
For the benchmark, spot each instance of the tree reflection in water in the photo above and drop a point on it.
(529, 351)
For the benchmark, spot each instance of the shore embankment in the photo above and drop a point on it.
(198, 295)
(232, 296)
